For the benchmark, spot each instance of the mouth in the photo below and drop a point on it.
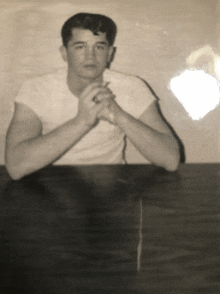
(90, 66)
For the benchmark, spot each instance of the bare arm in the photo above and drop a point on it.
(149, 134)
(28, 150)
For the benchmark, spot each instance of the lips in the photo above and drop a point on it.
(91, 65)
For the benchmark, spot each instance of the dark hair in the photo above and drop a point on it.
(88, 21)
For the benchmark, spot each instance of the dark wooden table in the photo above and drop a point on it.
(111, 229)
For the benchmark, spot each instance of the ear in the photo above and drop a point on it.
(63, 53)
(111, 53)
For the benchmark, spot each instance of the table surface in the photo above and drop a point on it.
(111, 229)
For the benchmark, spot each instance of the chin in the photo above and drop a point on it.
(92, 74)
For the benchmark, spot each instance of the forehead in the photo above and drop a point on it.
(82, 35)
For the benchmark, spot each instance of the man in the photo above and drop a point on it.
(83, 116)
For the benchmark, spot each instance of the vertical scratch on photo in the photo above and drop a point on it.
(139, 247)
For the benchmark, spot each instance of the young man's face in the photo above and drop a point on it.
(87, 54)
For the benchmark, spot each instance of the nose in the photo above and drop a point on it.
(90, 53)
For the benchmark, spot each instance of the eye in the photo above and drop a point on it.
(100, 47)
(79, 47)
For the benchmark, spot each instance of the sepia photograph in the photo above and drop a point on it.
(109, 146)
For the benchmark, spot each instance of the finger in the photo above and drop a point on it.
(99, 108)
(90, 87)
(104, 104)
(95, 84)
(106, 84)
(106, 114)
(97, 95)
(103, 96)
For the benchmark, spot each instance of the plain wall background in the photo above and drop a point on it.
(154, 39)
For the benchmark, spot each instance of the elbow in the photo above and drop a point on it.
(14, 173)
(19, 169)
(15, 177)
(12, 166)
(172, 164)
(16, 166)
(172, 167)
(173, 157)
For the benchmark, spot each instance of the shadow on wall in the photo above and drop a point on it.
(2, 151)
(181, 145)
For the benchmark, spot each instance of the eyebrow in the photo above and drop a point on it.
(102, 43)
(81, 42)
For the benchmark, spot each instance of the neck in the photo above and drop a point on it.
(77, 84)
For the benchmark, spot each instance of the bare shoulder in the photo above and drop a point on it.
(25, 124)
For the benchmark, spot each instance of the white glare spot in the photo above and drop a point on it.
(197, 91)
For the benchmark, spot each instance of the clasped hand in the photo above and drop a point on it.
(97, 102)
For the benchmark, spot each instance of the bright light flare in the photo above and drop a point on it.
(197, 91)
